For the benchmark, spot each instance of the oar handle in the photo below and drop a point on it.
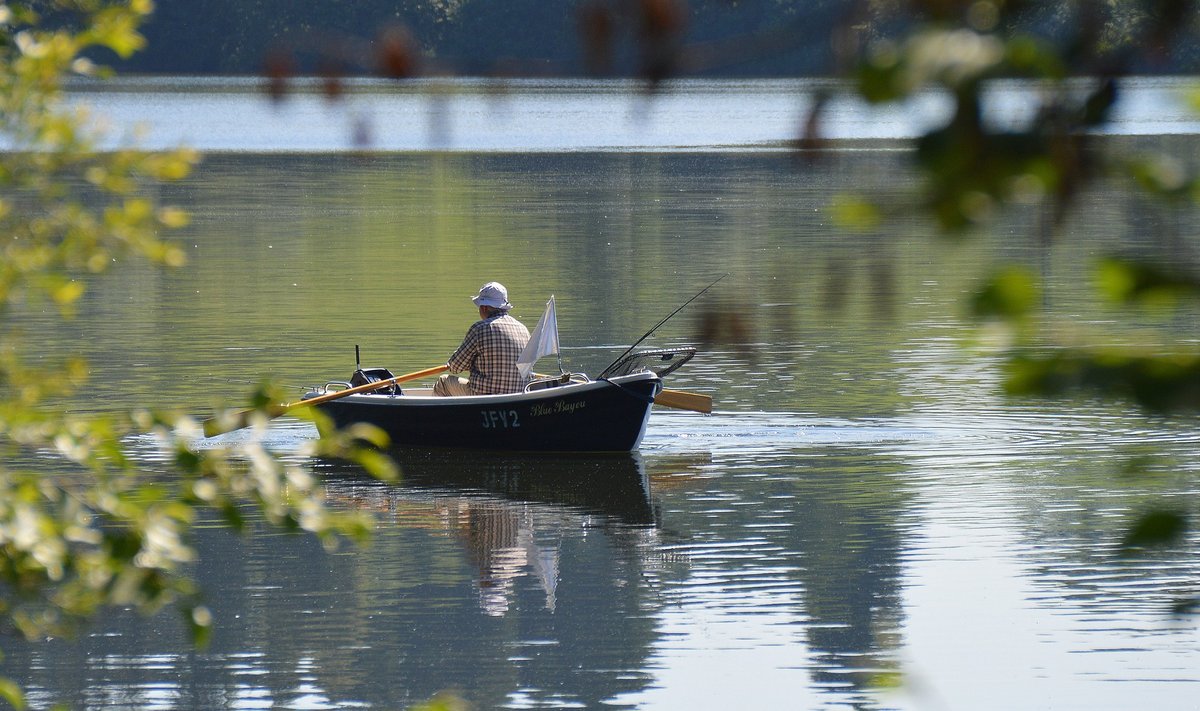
(366, 387)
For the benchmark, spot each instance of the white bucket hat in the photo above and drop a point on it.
(492, 294)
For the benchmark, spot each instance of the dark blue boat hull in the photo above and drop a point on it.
(600, 416)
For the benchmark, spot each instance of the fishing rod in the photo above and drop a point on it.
(658, 325)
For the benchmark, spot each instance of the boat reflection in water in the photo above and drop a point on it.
(511, 512)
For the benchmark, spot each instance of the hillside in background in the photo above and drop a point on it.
(559, 37)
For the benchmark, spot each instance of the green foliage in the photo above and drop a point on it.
(1010, 295)
(11, 693)
(444, 701)
(973, 169)
(1157, 382)
(107, 532)
(1155, 528)
(850, 212)
(53, 242)
(1130, 281)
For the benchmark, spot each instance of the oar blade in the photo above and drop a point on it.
(226, 422)
(682, 400)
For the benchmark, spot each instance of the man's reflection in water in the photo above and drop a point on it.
(500, 541)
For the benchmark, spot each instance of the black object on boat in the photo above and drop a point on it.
(362, 376)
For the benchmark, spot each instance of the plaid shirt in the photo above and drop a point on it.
(490, 352)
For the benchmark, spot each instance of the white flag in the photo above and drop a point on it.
(544, 340)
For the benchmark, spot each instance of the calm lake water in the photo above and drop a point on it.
(537, 115)
(864, 504)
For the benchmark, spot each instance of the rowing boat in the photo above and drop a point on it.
(564, 413)
(569, 412)
(580, 415)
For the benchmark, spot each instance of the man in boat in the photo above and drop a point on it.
(490, 350)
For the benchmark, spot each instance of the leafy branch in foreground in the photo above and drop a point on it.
(103, 529)
(974, 166)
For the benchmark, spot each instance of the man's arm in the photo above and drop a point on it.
(462, 358)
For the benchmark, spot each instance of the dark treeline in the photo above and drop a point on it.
(475, 37)
(557, 37)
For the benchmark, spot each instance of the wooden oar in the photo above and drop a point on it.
(217, 425)
(682, 400)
